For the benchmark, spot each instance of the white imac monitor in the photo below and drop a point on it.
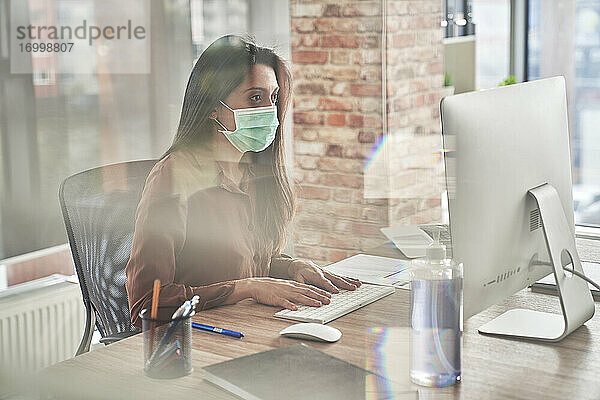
(508, 170)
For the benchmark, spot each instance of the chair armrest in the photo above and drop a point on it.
(118, 336)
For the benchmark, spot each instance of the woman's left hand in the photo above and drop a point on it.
(310, 273)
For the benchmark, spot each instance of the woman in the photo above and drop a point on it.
(214, 211)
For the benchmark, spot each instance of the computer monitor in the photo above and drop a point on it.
(508, 171)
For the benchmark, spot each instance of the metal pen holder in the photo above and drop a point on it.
(167, 346)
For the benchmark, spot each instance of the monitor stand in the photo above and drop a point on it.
(576, 300)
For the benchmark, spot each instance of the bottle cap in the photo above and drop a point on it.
(436, 250)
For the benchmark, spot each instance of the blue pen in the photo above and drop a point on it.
(217, 330)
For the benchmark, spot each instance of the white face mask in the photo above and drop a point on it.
(255, 128)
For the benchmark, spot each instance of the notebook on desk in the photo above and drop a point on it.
(300, 372)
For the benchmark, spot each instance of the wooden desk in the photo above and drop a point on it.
(374, 337)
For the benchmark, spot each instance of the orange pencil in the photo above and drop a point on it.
(155, 294)
(154, 313)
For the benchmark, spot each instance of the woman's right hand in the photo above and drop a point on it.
(280, 292)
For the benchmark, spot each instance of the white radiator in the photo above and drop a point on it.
(41, 322)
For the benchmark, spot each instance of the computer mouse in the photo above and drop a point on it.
(312, 331)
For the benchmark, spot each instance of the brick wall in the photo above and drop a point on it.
(366, 123)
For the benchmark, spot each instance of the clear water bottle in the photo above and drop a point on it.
(436, 318)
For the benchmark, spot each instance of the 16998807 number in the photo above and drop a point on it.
(42, 47)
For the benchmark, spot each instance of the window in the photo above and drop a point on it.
(76, 121)
(492, 60)
(59, 121)
(564, 39)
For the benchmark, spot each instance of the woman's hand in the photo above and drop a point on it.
(279, 292)
(310, 273)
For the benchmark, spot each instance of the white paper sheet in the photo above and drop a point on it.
(372, 269)
(410, 240)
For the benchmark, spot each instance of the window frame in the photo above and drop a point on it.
(519, 54)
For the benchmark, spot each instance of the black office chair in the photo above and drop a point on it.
(98, 206)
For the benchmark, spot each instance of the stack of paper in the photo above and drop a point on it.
(372, 269)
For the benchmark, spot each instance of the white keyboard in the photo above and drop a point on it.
(342, 303)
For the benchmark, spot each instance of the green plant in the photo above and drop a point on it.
(511, 80)
(447, 79)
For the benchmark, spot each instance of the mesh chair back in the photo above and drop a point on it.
(99, 208)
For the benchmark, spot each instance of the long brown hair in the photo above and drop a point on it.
(221, 68)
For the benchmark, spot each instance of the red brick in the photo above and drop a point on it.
(357, 151)
(368, 244)
(337, 255)
(308, 238)
(370, 42)
(334, 150)
(309, 135)
(342, 226)
(340, 73)
(342, 195)
(373, 24)
(351, 166)
(362, 8)
(435, 202)
(332, 10)
(328, 164)
(309, 222)
(341, 180)
(356, 120)
(418, 85)
(403, 40)
(340, 241)
(306, 162)
(397, 7)
(310, 88)
(400, 73)
(324, 25)
(309, 57)
(336, 120)
(309, 40)
(308, 118)
(366, 56)
(419, 100)
(364, 229)
(345, 211)
(301, 9)
(311, 252)
(367, 137)
(307, 177)
(436, 67)
(332, 104)
(403, 103)
(365, 89)
(340, 89)
(367, 104)
(303, 24)
(340, 165)
(434, 98)
(370, 74)
(374, 214)
(345, 25)
(340, 41)
(309, 148)
(340, 57)
(313, 192)
(305, 102)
